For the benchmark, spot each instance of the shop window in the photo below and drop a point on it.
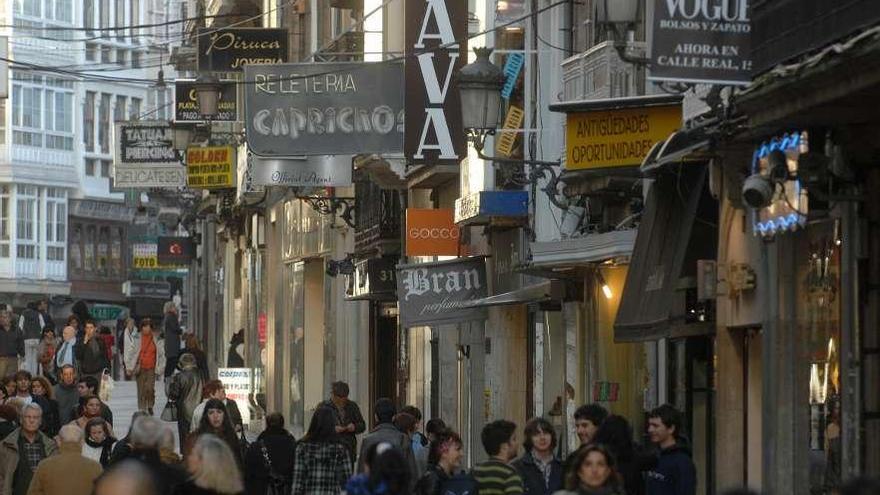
(4, 221)
(295, 319)
(103, 258)
(89, 249)
(76, 255)
(116, 252)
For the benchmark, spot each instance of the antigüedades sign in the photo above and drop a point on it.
(230, 49)
(701, 41)
(324, 109)
(186, 105)
(436, 49)
(431, 294)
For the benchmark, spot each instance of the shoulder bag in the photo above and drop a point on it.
(277, 485)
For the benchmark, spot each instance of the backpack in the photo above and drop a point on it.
(459, 484)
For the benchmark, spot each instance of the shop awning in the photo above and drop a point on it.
(536, 293)
(677, 229)
(683, 145)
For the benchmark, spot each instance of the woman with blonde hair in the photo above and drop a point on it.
(213, 469)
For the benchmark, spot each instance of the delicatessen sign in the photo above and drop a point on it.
(324, 109)
(432, 294)
(617, 138)
(145, 156)
(231, 49)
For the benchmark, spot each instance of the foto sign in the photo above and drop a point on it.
(324, 109)
(186, 105)
(436, 49)
(698, 41)
(145, 156)
(431, 232)
(617, 138)
(210, 167)
(231, 49)
(432, 294)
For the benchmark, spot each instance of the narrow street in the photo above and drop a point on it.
(123, 403)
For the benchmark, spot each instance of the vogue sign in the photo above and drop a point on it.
(436, 49)
(431, 232)
(432, 294)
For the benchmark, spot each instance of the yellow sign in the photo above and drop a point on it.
(512, 123)
(210, 167)
(617, 138)
(144, 256)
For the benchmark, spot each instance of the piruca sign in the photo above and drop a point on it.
(701, 41)
(230, 49)
(324, 109)
(436, 49)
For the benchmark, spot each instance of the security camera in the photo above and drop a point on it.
(777, 163)
(757, 191)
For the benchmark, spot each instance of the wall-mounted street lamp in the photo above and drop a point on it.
(208, 89)
(480, 84)
(619, 18)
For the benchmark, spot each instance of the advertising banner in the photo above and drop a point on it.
(145, 156)
(231, 49)
(431, 232)
(210, 167)
(436, 49)
(324, 109)
(432, 294)
(312, 171)
(176, 250)
(186, 105)
(145, 256)
(239, 387)
(695, 41)
(617, 138)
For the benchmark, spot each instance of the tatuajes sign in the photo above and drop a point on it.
(186, 105)
(701, 41)
(324, 109)
(436, 49)
(230, 49)
(312, 171)
(432, 294)
(145, 156)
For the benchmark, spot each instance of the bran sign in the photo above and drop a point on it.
(436, 49)
(431, 294)
(701, 41)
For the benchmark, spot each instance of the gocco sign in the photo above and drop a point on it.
(436, 48)
(229, 50)
(186, 105)
(431, 232)
(432, 294)
(701, 41)
(324, 109)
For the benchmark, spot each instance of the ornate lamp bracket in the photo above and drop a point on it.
(332, 205)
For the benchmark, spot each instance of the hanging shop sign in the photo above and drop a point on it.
(239, 386)
(431, 232)
(186, 105)
(145, 156)
(374, 279)
(176, 250)
(145, 288)
(432, 294)
(698, 41)
(436, 49)
(617, 138)
(311, 171)
(789, 207)
(101, 210)
(210, 167)
(231, 49)
(484, 207)
(145, 256)
(324, 109)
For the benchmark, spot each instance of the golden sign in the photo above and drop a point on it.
(617, 138)
(210, 167)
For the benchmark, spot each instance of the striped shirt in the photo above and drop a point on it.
(497, 478)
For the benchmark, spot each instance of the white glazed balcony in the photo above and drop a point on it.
(599, 73)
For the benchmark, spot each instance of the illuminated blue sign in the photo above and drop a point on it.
(788, 209)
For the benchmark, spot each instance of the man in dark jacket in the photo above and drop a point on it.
(11, 345)
(675, 473)
(172, 331)
(31, 324)
(386, 432)
(539, 468)
(185, 388)
(276, 444)
(349, 421)
(91, 354)
(66, 394)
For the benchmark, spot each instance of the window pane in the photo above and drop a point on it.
(89, 249)
(89, 121)
(104, 123)
(50, 221)
(135, 109)
(61, 223)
